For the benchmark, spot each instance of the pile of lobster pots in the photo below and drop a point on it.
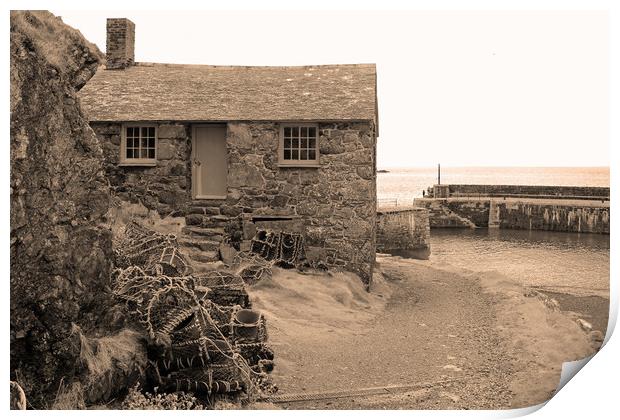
(203, 336)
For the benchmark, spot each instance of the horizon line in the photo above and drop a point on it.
(492, 166)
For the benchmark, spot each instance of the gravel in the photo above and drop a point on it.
(436, 326)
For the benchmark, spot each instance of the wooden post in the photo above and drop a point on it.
(439, 174)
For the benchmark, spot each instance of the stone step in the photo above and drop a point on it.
(203, 220)
(218, 218)
(215, 234)
(200, 267)
(202, 256)
(199, 243)
(215, 221)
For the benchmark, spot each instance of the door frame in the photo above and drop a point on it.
(195, 177)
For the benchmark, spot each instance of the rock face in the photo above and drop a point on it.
(60, 250)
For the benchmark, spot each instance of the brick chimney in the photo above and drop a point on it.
(121, 36)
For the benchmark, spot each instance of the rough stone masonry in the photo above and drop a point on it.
(329, 199)
(333, 205)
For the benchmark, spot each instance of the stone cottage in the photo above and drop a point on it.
(234, 149)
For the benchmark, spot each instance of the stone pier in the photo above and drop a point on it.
(560, 209)
(404, 231)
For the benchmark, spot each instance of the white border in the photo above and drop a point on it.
(593, 394)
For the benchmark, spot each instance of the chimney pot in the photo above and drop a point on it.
(120, 41)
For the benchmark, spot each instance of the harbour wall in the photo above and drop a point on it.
(458, 214)
(404, 232)
(561, 218)
(559, 215)
(533, 191)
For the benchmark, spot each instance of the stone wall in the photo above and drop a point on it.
(554, 218)
(477, 211)
(528, 190)
(593, 218)
(333, 204)
(404, 232)
(442, 215)
(165, 187)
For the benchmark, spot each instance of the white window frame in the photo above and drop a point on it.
(124, 161)
(298, 163)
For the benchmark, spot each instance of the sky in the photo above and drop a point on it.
(470, 88)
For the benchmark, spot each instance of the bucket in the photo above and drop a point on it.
(247, 317)
(246, 325)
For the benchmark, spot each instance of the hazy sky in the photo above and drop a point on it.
(459, 88)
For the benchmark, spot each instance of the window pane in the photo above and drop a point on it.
(129, 131)
(151, 153)
(129, 154)
(144, 154)
(152, 132)
(145, 143)
(152, 142)
(300, 143)
(145, 131)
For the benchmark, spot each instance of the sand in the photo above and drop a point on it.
(476, 340)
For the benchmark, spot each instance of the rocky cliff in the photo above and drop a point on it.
(60, 250)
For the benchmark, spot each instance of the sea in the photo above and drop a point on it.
(575, 263)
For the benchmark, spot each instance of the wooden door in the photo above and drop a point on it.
(209, 162)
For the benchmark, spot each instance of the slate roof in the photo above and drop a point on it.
(158, 92)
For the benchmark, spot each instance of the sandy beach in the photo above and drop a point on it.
(437, 338)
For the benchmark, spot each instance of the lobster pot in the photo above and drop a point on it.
(248, 326)
(229, 296)
(219, 351)
(221, 315)
(173, 263)
(254, 353)
(217, 379)
(255, 273)
(225, 289)
(286, 248)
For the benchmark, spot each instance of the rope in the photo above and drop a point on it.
(330, 395)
